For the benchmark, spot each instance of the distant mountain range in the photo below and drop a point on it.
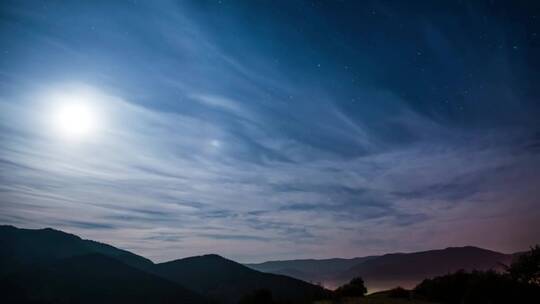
(389, 270)
(50, 266)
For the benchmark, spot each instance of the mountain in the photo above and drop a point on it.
(51, 266)
(310, 270)
(408, 269)
(227, 281)
(23, 246)
(91, 278)
(390, 270)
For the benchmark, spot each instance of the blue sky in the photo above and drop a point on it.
(273, 130)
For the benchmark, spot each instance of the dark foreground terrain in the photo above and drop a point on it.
(51, 266)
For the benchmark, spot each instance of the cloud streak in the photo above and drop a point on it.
(208, 147)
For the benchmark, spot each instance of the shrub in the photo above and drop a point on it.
(355, 288)
(477, 287)
(526, 268)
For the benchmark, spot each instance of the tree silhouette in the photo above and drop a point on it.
(355, 288)
(477, 287)
(526, 268)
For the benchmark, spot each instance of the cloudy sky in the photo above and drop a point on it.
(273, 129)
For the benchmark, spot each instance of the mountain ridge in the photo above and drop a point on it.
(211, 272)
(60, 244)
(47, 265)
(391, 269)
(219, 278)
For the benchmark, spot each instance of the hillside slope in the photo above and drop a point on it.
(54, 267)
(22, 246)
(92, 278)
(408, 269)
(228, 281)
(311, 270)
(390, 270)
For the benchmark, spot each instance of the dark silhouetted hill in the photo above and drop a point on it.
(408, 269)
(311, 270)
(50, 266)
(390, 270)
(228, 281)
(91, 278)
(23, 246)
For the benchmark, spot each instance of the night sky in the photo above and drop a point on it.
(274, 129)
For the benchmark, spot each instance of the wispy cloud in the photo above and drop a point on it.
(212, 146)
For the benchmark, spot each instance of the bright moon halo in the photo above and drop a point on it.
(75, 120)
(74, 116)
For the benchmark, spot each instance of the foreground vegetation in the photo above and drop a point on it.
(378, 298)
(520, 283)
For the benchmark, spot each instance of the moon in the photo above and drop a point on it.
(75, 120)
(75, 115)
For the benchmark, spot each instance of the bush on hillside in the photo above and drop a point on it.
(526, 268)
(355, 288)
(520, 284)
(477, 287)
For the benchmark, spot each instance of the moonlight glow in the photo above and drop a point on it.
(74, 115)
(75, 120)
